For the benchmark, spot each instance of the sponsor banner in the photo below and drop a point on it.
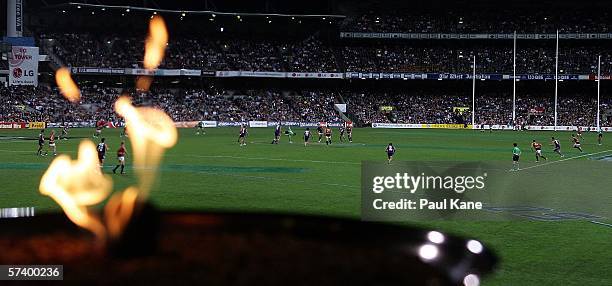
(209, 123)
(455, 76)
(83, 124)
(314, 75)
(258, 124)
(447, 126)
(420, 125)
(227, 73)
(494, 127)
(208, 73)
(226, 124)
(186, 72)
(23, 66)
(567, 128)
(140, 72)
(440, 36)
(262, 74)
(164, 72)
(12, 125)
(36, 125)
(250, 74)
(396, 125)
(19, 18)
(185, 124)
(91, 70)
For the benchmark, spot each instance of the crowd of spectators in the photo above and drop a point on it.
(88, 50)
(529, 60)
(23, 104)
(312, 55)
(480, 21)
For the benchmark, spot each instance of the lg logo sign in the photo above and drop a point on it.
(18, 73)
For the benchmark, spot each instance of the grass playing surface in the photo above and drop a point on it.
(211, 171)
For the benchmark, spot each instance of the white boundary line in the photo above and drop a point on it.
(274, 159)
(275, 179)
(600, 223)
(563, 160)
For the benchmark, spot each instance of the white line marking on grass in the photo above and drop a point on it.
(563, 160)
(275, 159)
(275, 179)
(600, 223)
(33, 151)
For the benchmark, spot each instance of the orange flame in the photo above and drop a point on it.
(67, 86)
(155, 45)
(143, 83)
(119, 210)
(151, 132)
(76, 185)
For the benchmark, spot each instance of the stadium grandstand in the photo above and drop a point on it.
(338, 46)
(250, 137)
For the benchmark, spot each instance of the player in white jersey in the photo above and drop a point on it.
(557, 145)
(307, 136)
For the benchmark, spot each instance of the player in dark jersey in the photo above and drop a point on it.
(328, 135)
(390, 152)
(64, 133)
(242, 135)
(320, 132)
(102, 148)
(342, 130)
(52, 142)
(121, 153)
(537, 147)
(557, 145)
(579, 133)
(576, 142)
(200, 128)
(41, 143)
(277, 134)
(307, 136)
(349, 132)
(599, 136)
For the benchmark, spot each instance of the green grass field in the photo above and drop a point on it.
(211, 172)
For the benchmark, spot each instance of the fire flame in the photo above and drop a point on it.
(155, 45)
(119, 210)
(67, 86)
(151, 132)
(143, 83)
(77, 185)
